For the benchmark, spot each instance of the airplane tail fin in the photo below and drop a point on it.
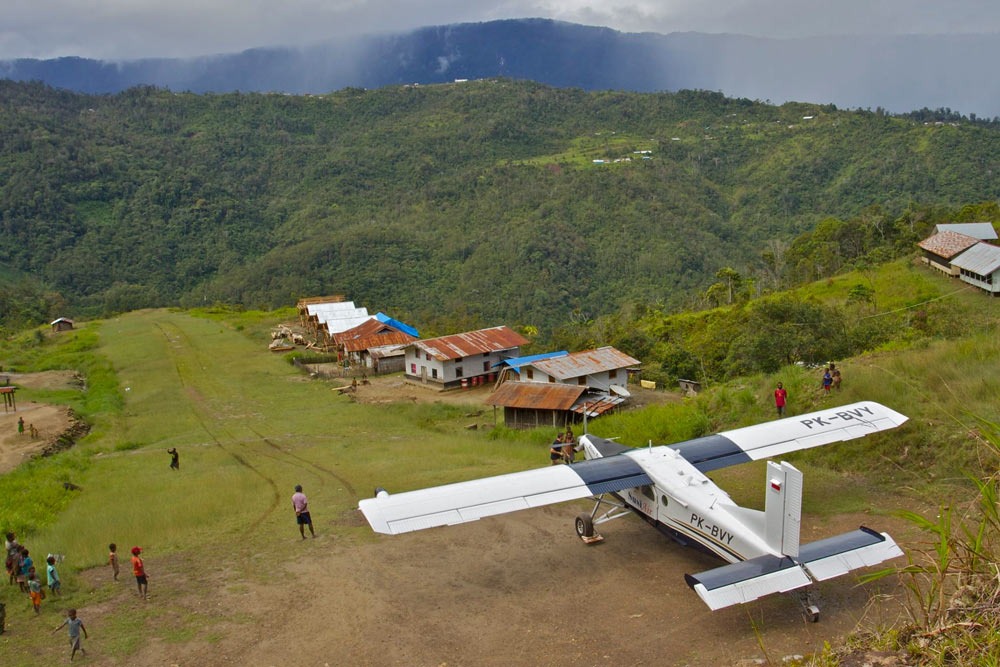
(748, 580)
(783, 508)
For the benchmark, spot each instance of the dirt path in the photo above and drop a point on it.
(50, 420)
(514, 590)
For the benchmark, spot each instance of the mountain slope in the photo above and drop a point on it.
(481, 198)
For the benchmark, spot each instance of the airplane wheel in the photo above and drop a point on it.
(584, 526)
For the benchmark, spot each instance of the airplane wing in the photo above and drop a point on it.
(467, 501)
(774, 438)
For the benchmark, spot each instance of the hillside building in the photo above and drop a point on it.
(980, 266)
(601, 369)
(376, 345)
(941, 248)
(463, 359)
(62, 324)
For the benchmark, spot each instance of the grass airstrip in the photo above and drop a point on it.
(249, 426)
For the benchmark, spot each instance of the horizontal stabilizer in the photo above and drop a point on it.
(475, 499)
(747, 580)
(839, 555)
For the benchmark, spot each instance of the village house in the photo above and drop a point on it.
(461, 359)
(941, 248)
(980, 266)
(560, 388)
(376, 345)
(62, 324)
(326, 316)
(604, 369)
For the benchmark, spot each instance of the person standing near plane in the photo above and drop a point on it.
(780, 398)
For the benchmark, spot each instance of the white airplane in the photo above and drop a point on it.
(667, 486)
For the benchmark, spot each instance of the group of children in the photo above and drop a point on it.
(21, 570)
(563, 448)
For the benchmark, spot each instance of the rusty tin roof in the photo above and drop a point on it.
(579, 364)
(483, 341)
(536, 395)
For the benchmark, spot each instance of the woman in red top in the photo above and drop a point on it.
(139, 570)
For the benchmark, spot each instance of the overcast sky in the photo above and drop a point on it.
(127, 29)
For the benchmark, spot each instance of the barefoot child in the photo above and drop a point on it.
(55, 585)
(139, 570)
(113, 558)
(35, 590)
(75, 625)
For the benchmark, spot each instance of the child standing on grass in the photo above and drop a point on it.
(113, 558)
(35, 590)
(26, 564)
(52, 576)
(75, 625)
(139, 570)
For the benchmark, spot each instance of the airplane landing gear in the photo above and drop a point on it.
(585, 529)
(810, 610)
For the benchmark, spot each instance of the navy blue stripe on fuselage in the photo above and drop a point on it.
(613, 473)
(711, 452)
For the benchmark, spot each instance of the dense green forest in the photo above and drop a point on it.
(459, 204)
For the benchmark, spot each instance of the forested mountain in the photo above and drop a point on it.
(897, 72)
(486, 201)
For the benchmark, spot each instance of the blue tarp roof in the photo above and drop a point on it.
(517, 362)
(405, 328)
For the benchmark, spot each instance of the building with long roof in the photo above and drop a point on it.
(450, 361)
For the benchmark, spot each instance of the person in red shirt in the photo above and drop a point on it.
(139, 570)
(780, 398)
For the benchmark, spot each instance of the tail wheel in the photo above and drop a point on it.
(584, 526)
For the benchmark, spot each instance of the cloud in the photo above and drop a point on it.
(127, 29)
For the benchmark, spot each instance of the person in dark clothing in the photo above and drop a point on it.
(175, 459)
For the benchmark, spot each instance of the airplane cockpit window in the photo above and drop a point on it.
(647, 491)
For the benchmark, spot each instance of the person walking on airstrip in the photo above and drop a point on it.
(139, 571)
(302, 517)
(780, 399)
(175, 459)
(75, 625)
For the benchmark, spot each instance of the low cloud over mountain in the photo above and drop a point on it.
(898, 73)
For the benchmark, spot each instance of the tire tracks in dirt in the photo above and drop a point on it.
(275, 498)
(346, 484)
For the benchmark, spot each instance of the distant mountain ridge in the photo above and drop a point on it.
(898, 73)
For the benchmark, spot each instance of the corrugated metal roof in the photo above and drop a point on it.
(377, 340)
(369, 327)
(382, 317)
(981, 258)
(588, 362)
(984, 231)
(536, 395)
(595, 406)
(947, 244)
(469, 343)
(517, 362)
